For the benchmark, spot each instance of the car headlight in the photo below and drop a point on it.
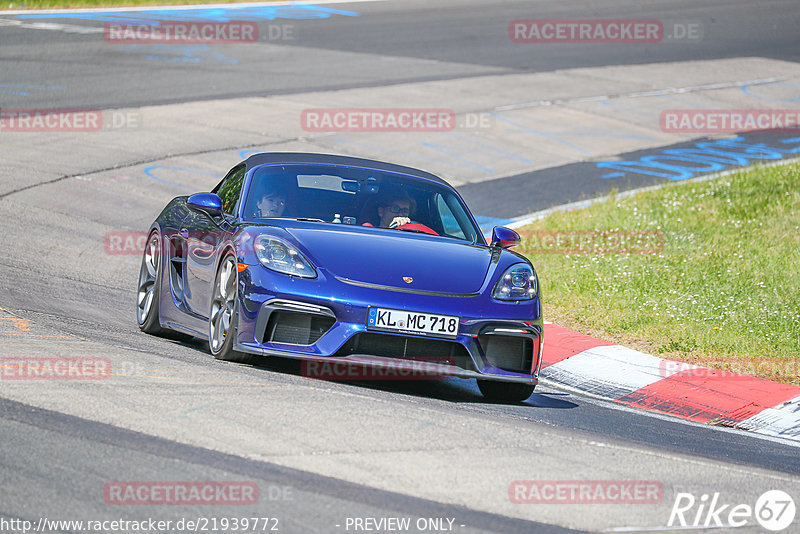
(517, 283)
(281, 257)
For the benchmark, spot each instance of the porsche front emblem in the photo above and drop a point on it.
(407, 279)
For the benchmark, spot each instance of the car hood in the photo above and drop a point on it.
(397, 259)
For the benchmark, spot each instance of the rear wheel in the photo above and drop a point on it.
(221, 320)
(505, 391)
(149, 281)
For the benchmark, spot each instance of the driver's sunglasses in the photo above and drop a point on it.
(397, 210)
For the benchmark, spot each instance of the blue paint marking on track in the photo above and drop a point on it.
(704, 157)
(23, 89)
(29, 86)
(746, 90)
(214, 14)
(548, 135)
(444, 150)
(490, 148)
(404, 155)
(149, 172)
(178, 54)
(559, 132)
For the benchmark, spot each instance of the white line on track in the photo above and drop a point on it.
(52, 26)
(638, 94)
(689, 528)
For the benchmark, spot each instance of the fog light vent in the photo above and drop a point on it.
(510, 353)
(296, 328)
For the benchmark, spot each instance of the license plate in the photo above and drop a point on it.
(425, 324)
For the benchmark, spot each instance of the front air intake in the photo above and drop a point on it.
(296, 328)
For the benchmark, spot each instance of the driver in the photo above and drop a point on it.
(396, 210)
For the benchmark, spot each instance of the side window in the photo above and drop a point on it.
(230, 189)
(449, 222)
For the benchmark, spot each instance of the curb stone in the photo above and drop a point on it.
(680, 389)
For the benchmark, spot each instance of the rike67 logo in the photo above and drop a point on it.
(774, 510)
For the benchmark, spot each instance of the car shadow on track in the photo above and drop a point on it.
(456, 390)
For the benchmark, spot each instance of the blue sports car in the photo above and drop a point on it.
(344, 262)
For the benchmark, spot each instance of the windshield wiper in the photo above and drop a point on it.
(293, 218)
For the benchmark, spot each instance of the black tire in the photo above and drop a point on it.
(505, 391)
(221, 337)
(148, 292)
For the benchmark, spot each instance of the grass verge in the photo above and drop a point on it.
(706, 273)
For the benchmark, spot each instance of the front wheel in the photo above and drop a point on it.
(221, 320)
(148, 291)
(505, 391)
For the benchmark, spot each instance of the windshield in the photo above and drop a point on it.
(358, 196)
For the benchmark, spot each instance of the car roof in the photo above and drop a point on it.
(264, 158)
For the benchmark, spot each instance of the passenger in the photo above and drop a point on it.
(272, 202)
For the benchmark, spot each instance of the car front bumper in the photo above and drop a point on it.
(325, 320)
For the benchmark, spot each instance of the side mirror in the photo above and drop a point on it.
(208, 203)
(504, 237)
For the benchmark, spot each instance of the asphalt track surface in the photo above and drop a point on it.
(419, 37)
(330, 450)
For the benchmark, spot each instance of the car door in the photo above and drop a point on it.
(204, 234)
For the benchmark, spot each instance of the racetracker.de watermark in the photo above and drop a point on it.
(182, 32)
(407, 370)
(586, 492)
(124, 242)
(729, 120)
(608, 31)
(66, 120)
(134, 242)
(54, 368)
(378, 120)
(181, 493)
(593, 242)
(733, 369)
